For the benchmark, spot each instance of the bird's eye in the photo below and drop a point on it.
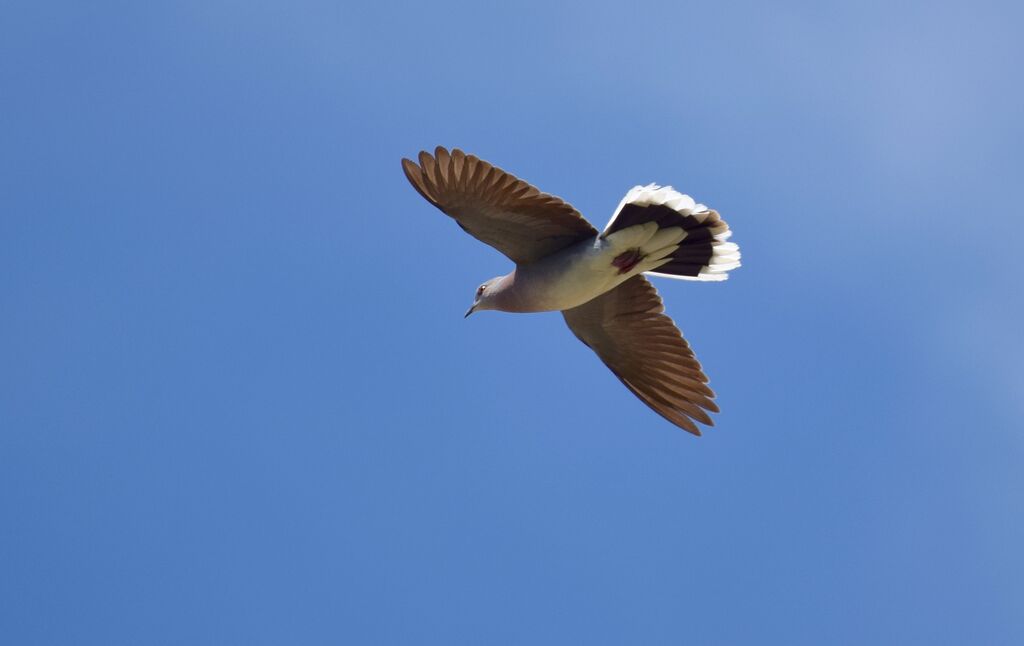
(480, 289)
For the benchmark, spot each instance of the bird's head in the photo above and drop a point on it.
(485, 296)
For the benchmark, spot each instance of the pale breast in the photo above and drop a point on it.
(570, 277)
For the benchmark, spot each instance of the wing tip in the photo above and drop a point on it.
(684, 422)
(414, 173)
(433, 171)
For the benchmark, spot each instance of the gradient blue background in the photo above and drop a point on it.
(239, 404)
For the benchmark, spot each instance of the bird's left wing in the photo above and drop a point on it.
(496, 207)
(629, 331)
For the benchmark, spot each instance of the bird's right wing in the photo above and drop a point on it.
(496, 207)
(629, 331)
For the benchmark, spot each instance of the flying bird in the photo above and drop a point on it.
(595, 278)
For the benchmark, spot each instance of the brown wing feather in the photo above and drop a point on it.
(496, 207)
(629, 331)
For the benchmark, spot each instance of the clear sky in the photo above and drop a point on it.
(239, 403)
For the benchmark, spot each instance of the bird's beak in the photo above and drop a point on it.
(471, 309)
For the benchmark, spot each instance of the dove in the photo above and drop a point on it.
(596, 279)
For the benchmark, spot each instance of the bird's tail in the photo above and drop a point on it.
(699, 236)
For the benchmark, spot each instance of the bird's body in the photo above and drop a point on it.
(565, 279)
(594, 278)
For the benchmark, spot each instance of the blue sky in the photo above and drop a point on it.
(239, 404)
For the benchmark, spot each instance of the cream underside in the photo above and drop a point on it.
(585, 272)
(591, 273)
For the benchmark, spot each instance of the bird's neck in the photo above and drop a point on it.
(507, 295)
